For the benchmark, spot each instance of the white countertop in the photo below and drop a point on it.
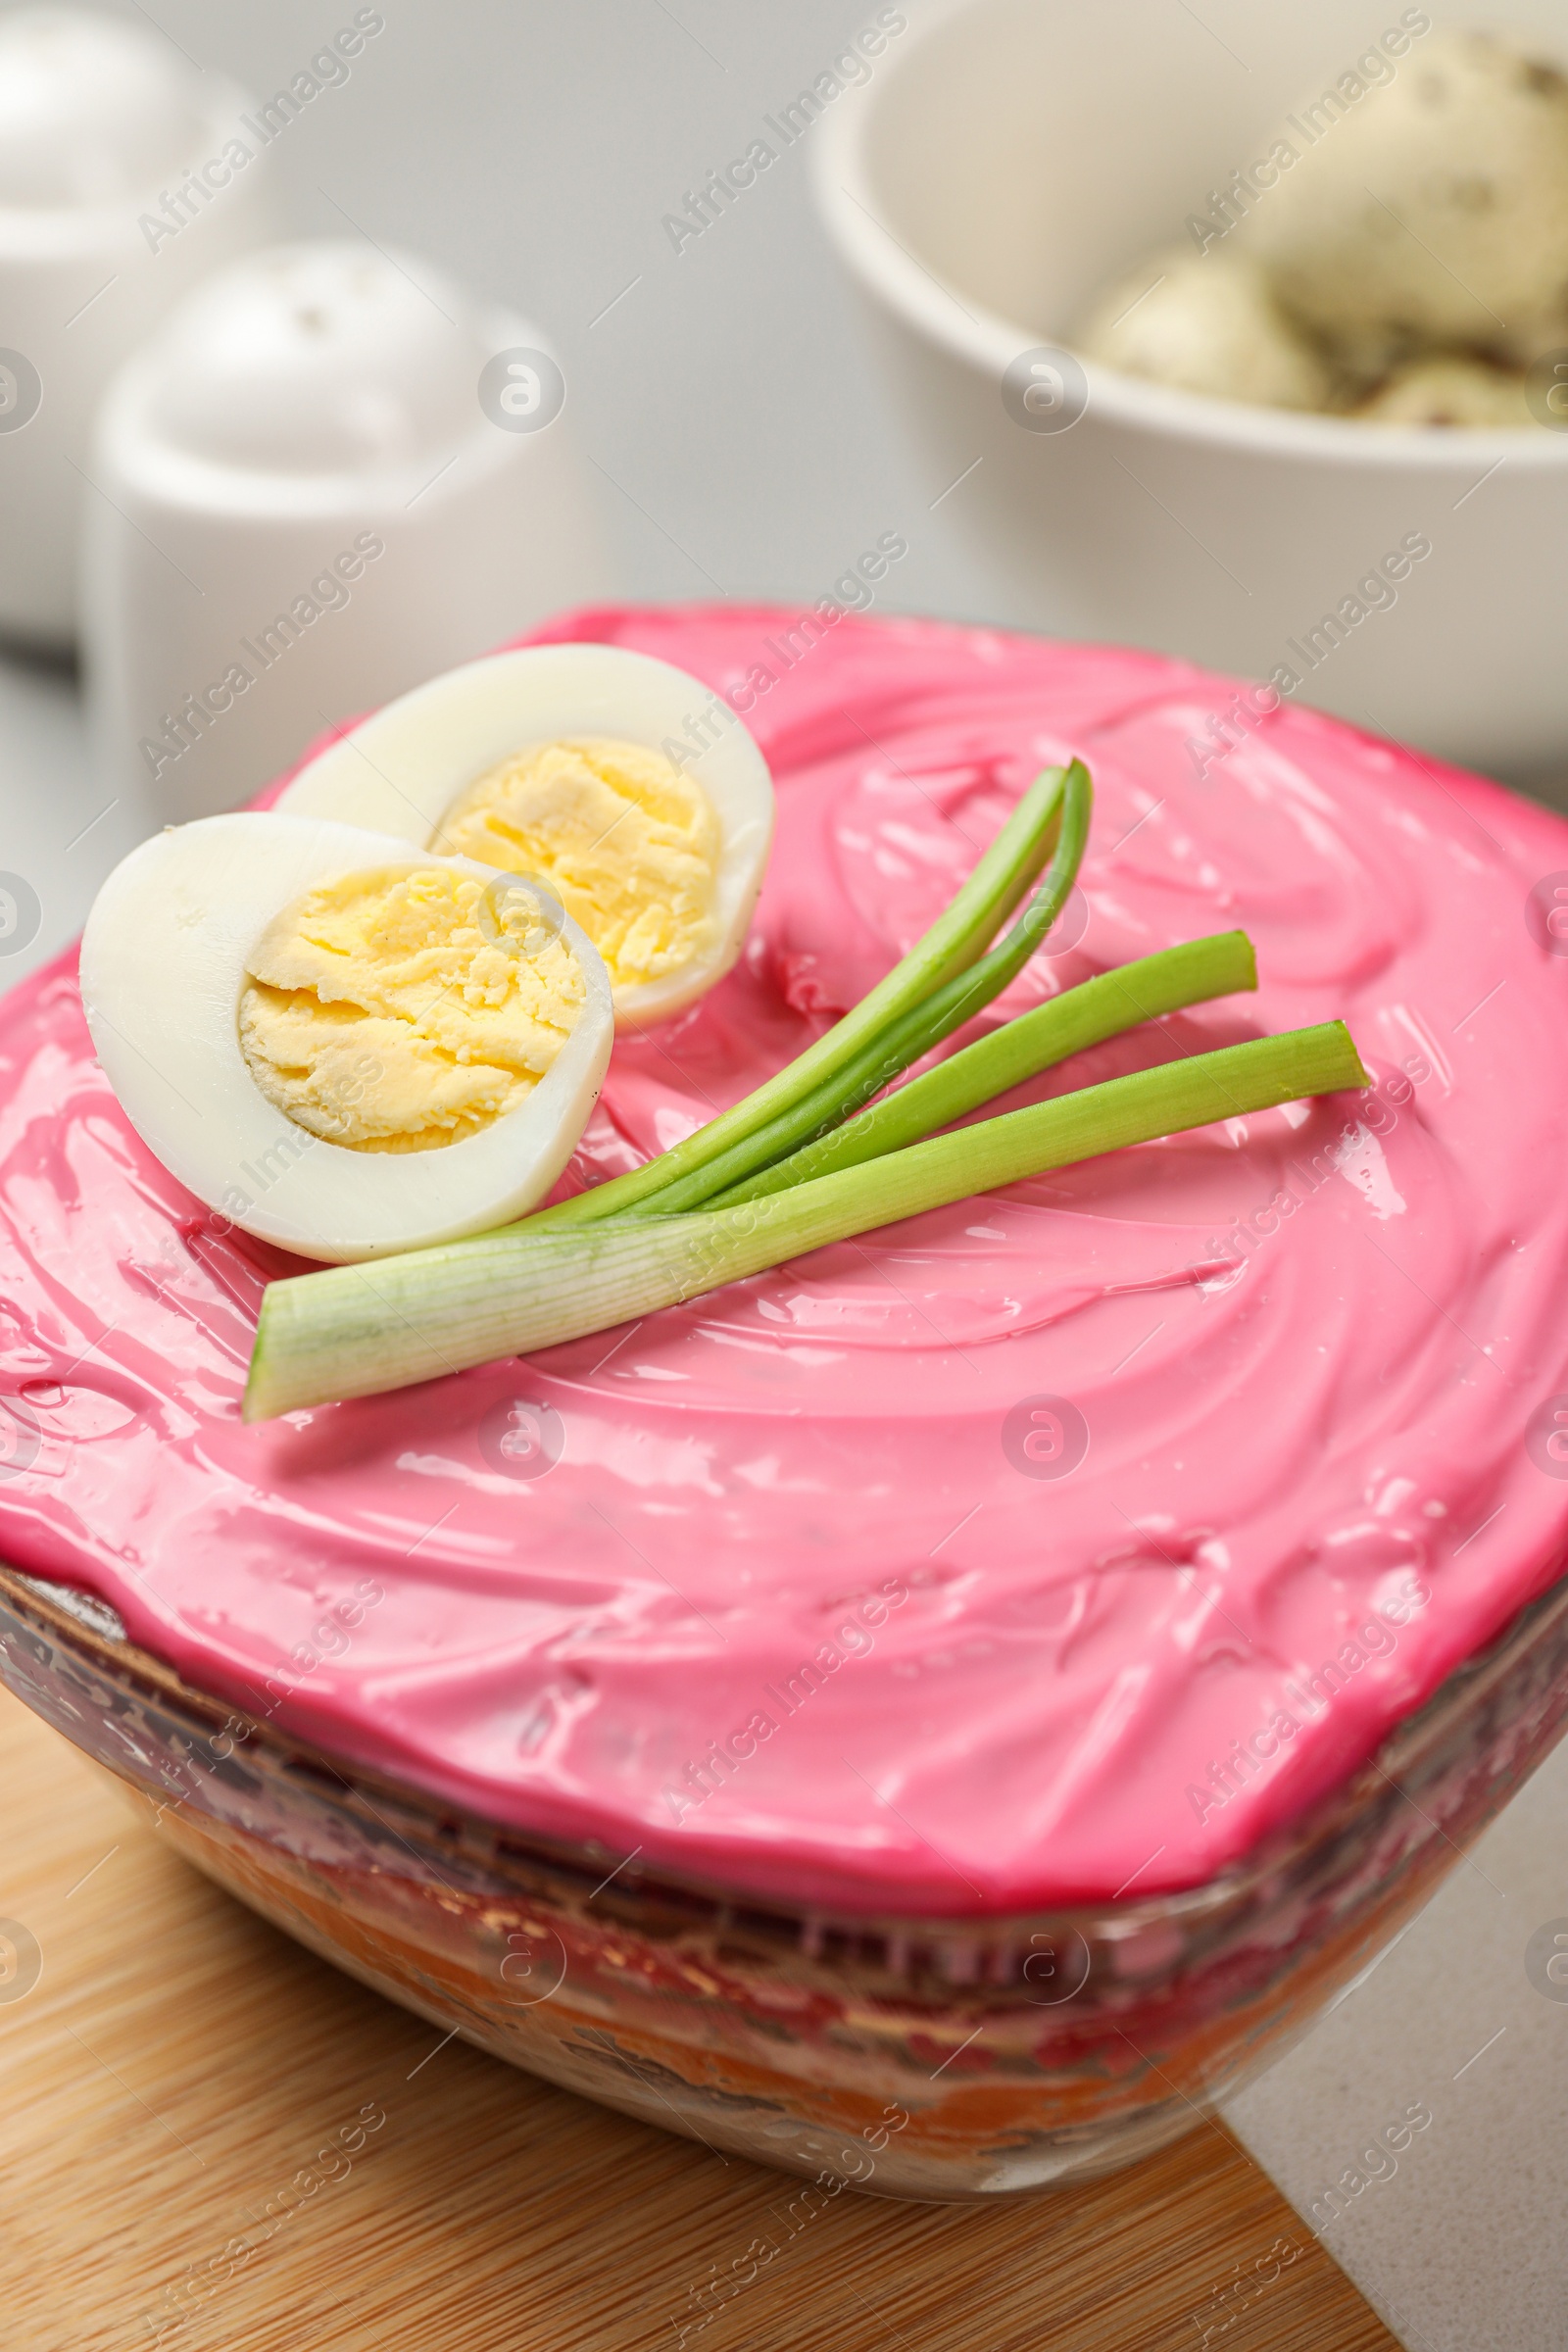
(1460, 2240)
(57, 832)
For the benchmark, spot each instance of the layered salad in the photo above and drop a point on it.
(1033, 1490)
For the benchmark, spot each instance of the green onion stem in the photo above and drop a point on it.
(1104, 1007)
(955, 941)
(904, 1040)
(357, 1331)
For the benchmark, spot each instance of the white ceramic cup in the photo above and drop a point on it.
(106, 220)
(1007, 161)
(332, 474)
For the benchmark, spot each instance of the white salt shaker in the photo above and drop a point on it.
(332, 474)
(124, 177)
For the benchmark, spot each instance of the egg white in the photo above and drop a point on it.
(164, 961)
(401, 771)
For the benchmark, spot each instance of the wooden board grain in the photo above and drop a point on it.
(177, 2063)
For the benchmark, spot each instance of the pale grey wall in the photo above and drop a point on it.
(532, 147)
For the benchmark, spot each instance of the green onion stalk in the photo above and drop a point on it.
(358, 1330)
(862, 1053)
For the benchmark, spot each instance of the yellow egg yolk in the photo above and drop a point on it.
(624, 839)
(392, 1011)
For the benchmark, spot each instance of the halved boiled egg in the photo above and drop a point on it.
(631, 791)
(346, 1045)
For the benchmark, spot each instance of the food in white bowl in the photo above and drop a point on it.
(1182, 319)
(1403, 261)
(1449, 391)
(1007, 166)
(1435, 215)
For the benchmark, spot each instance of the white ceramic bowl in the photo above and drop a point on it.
(1000, 165)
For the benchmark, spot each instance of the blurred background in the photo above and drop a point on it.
(540, 356)
(736, 440)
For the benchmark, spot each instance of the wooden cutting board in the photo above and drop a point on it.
(177, 2063)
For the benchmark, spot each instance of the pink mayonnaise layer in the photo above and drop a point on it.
(799, 1608)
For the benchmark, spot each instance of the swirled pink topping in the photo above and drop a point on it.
(1065, 1540)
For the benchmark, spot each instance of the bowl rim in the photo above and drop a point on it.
(987, 342)
(76, 1618)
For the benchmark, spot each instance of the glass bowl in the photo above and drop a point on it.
(944, 2060)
